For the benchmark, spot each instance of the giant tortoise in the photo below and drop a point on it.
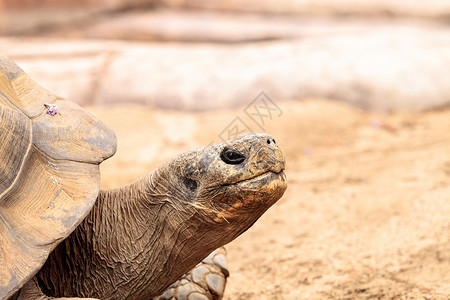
(61, 236)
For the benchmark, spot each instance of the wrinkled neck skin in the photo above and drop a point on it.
(132, 245)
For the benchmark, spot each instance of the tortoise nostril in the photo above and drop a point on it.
(268, 141)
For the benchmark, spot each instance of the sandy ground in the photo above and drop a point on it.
(366, 214)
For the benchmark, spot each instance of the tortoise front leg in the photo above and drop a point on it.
(32, 291)
(206, 281)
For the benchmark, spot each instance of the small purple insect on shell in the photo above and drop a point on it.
(52, 109)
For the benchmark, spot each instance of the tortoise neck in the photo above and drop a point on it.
(137, 229)
(133, 244)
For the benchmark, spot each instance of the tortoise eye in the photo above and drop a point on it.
(232, 156)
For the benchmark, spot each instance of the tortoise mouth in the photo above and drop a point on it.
(265, 177)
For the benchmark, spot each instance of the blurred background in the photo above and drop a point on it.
(356, 93)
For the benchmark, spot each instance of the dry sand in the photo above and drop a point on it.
(366, 214)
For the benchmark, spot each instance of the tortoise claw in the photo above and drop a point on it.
(206, 281)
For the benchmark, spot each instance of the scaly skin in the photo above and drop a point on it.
(139, 239)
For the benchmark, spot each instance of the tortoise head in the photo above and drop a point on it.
(230, 184)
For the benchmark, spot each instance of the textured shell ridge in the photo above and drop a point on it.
(49, 170)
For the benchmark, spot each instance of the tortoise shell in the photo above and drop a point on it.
(49, 172)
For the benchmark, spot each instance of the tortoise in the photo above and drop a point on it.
(61, 236)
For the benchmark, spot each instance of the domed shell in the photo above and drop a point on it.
(49, 172)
